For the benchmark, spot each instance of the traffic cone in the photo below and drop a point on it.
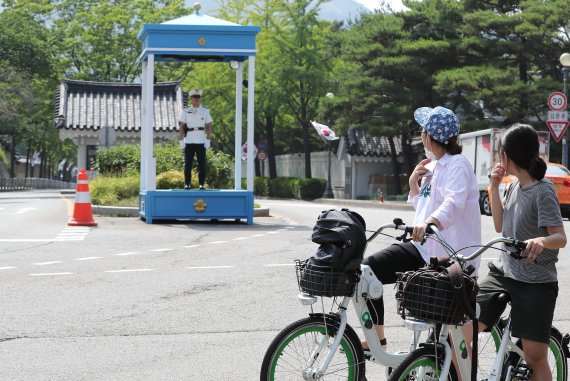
(82, 212)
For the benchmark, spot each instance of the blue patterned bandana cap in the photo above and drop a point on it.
(440, 123)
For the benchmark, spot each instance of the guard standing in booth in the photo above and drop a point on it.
(195, 134)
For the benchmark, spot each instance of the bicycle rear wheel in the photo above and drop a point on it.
(294, 354)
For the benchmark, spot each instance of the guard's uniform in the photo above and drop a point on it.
(196, 120)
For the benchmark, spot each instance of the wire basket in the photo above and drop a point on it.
(428, 295)
(323, 281)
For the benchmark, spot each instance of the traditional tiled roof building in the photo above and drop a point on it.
(99, 113)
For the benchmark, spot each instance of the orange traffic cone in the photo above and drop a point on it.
(82, 212)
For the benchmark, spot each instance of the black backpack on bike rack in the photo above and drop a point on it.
(342, 239)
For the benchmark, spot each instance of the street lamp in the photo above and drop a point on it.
(565, 61)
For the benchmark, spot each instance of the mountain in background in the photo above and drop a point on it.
(334, 10)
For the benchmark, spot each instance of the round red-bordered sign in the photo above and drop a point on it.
(557, 101)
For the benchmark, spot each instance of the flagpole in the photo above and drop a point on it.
(328, 190)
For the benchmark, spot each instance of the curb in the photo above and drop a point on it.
(365, 203)
(119, 211)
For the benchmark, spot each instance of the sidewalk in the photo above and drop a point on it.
(400, 205)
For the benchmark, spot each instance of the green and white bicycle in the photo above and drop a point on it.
(500, 356)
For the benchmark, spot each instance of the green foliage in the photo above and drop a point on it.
(173, 179)
(119, 160)
(108, 190)
(219, 170)
(125, 160)
(284, 187)
(261, 186)
(169, 156)
(310, 189)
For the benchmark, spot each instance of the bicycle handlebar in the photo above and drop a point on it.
(397, 224)
(432, 229)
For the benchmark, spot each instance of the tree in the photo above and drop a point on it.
(97, 40)
(304, 75)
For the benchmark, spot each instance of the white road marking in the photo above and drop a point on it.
(24, 210)
(73, 233)
(274, 232)
(258, 235)
(47, 274)
(209, 267)
(86, 258)
(7, 268)
(239, 238)
(26, 240)
(128, 253)
(159, 250)
(46, 263)
(280, 264)
(127, 271)
(191, 246)
(216, 242)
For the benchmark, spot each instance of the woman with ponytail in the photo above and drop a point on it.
(530, 213)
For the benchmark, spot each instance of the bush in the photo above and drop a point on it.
(284, 187)
(117, 161)
(310, 189)
(261, 186)
(173, 180)
(106, 190)
(219, 170)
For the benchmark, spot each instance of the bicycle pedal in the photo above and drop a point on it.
(521, 373)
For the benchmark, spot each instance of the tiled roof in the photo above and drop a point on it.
(359, 144)
(92, 105)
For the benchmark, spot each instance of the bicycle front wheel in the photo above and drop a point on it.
(299, 350)
(421, 365)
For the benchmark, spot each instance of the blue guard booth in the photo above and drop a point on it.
(197, 38)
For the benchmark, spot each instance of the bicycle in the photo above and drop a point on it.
(324, 344)
(433, 360)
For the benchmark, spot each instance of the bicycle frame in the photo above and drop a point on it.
(464, 364)
(378, 355)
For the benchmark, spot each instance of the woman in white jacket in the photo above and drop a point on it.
(444, 192)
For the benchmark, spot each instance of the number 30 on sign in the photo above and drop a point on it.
(557, 101)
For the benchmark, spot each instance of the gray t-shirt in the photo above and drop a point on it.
(527, 213)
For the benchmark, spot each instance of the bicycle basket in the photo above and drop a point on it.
(428, 295)
(320, 280)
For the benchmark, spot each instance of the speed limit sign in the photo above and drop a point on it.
(557, 101)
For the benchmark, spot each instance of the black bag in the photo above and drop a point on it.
(442, 294)
(342, 239)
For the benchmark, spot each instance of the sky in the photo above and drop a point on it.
(372, 4)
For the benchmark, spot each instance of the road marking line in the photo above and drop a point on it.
(274, 232)
(127, 271)
(159, 250)
(239, 238)
(280, 264)
(258, 235)
(289, 227)
(191, 246)
(46, 263)
(42, 274)
(128, 253)
(209, 267)
(216, 242)
(86, 258)
(7, 268)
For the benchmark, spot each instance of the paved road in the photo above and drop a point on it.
(131, 301)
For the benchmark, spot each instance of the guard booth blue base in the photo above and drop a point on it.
(180, 204)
